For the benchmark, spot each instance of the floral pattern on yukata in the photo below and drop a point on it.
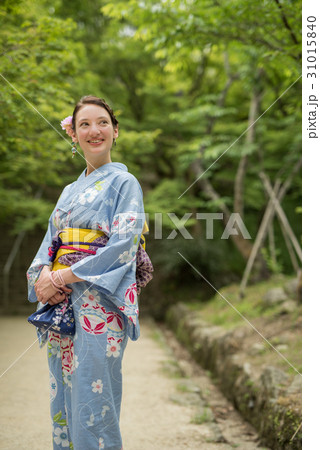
(85, 369)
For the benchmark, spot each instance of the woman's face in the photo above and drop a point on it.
(94, 130)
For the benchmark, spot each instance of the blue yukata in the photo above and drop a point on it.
(85, 369)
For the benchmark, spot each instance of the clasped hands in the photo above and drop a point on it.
(47, 292)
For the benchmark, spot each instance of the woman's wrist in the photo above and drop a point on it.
(68, 276)
(54, 282)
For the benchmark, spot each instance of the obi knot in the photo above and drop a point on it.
(52, 251)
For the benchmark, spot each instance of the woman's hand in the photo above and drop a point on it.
(45, 291)
(57, 298)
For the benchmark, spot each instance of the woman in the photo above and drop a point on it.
(103, 208)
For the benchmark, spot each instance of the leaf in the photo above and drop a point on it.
(62, 422)
(57, 416)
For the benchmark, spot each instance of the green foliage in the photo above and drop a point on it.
(274, 265)
(37, 67)
(181, 76)
(218, 310)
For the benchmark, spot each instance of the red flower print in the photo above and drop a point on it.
(67, 355)
(93, 318)
(131, 293)
(115, 321)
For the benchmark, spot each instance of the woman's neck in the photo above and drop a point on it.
(93, 165)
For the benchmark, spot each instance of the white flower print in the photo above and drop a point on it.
(87, 196)
(91, 296)
(75, 362)
(67, 378)
(36, 262)
(97, 386)
(61, 436)
(125, 257)
(90, 422)
(105, 408)
(101, 443)
(56, 320)
(113, 349)
(54, 347)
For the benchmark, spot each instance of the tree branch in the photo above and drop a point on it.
(286, 23)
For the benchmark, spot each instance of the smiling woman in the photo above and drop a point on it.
(94, 240)
(95, 128)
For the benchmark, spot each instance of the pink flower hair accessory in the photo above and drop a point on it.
(66, 124)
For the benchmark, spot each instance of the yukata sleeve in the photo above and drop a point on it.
(41, 259)
(112, 270)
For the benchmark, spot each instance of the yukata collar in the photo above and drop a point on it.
(103, 170)
(84, 182)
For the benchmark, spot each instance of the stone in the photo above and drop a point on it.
(272, 380)
(216, 436)
(247, 368)
(257, 349)
(296, 386)
(203, 415)
(288, 307)
(291, 288)
(187, 399)
(229, 343)
(282, 347)
(274, 296)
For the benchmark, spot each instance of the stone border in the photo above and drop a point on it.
(268, 400)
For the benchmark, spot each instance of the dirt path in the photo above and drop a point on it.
(168, 403)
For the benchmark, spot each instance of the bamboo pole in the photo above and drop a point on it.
(270, 211)
(291, 252)
(281, 214)
(262, 232)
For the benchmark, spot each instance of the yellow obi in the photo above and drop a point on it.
(143, 239)
(71, 237)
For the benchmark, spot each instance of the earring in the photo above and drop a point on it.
(74, 149)
(114, 142)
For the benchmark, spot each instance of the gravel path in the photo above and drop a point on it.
(168, 402)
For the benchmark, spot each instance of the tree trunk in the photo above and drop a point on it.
(238, 204)
(243, 245)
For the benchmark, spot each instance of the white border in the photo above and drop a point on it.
(311, 247)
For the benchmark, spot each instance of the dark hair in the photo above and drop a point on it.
(92, 100)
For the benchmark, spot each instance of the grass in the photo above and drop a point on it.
(157, 336)
(217, 311)
(181, 387)
(171, 369)
(203, 416)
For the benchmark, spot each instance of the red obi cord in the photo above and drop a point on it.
(92, 252)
